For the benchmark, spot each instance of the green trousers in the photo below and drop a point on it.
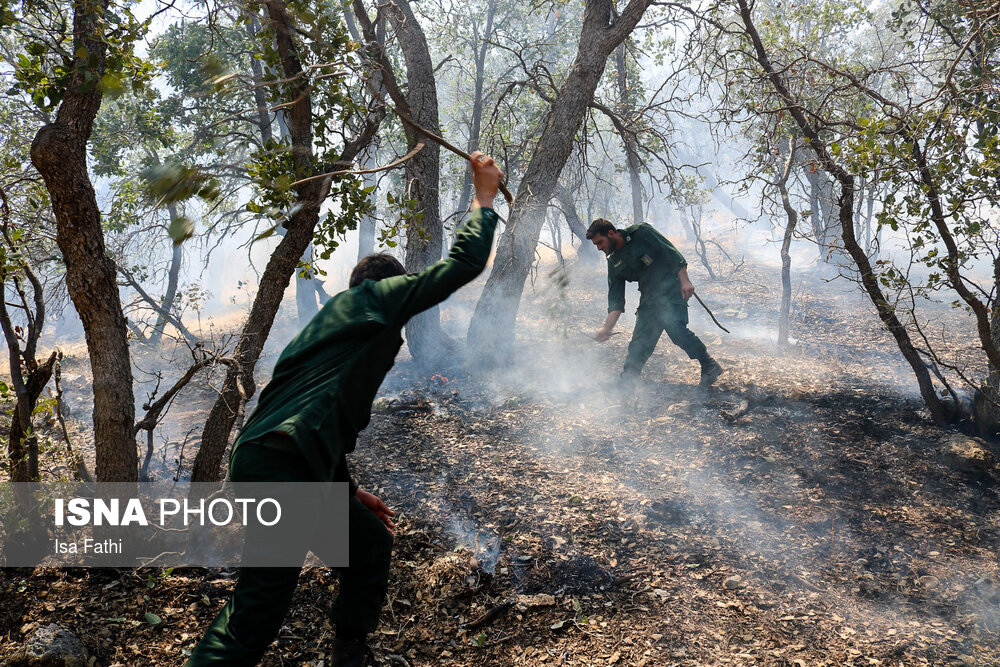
(650, 322)
(250, 621)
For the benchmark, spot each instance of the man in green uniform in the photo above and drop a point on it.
(641, 254)
(308, 417)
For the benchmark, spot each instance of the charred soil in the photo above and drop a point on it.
(803, 511)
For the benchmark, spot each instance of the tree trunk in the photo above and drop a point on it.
(628, 137)
(700, 247)
(424, 234)
(491, 331)
(475, 123)
(366, 226)
(23, 452)
(59, 152)
(167, 304)
(987, 403)
(306, 297)
(792, 217)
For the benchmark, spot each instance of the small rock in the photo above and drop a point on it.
(928, 581)
(52, 646)
(732, 583)
(967, 454)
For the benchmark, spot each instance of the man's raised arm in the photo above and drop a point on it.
(410, 294)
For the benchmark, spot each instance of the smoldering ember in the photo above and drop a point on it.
(641, 333)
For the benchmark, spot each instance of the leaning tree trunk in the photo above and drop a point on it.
(886, 311)
(238, 385)
(424, 234)
(59, 152)
(491, 331)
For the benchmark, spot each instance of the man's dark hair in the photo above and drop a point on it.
(376, 267)
(599, 227)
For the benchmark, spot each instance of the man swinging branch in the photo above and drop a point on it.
(309, 416)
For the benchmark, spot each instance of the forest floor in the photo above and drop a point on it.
(804, 511)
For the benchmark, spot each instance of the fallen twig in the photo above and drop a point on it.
(490, 615)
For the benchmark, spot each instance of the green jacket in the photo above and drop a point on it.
(649, 259)
(326, 378)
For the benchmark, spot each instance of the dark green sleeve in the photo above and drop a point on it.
(616, 291)
(405, 296)
(665, 249)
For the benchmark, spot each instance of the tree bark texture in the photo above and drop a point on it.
(886, 311)
(59, 152)
(491, 332)
(424, 234)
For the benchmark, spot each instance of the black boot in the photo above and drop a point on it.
(346, 653)
(710, 372)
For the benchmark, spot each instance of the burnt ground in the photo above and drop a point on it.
(548, 516)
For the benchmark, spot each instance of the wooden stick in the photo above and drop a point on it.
(441, 141)
(709, 311)
(489, 616)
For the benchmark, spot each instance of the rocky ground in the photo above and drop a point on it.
(802, 512)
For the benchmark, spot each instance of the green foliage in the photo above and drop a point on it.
(173, 182)
(45, 60)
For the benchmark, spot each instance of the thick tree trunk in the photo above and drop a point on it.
(491, 331)
(59, 152)
(424, 234)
